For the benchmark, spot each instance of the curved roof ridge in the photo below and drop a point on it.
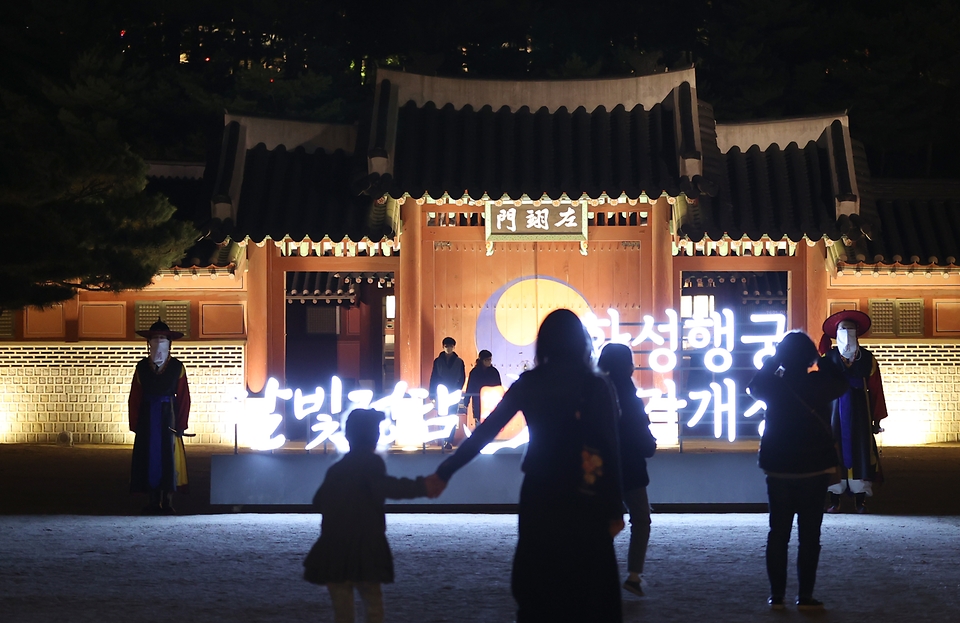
(592, 93)
(766, 132)
(311, 135)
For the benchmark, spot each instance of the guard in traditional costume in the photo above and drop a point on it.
(856, 415)
(159, 413)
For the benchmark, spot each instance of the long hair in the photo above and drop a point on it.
(617, 361)
(563, 339)
(796, 352)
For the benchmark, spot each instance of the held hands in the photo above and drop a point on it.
(435, 486)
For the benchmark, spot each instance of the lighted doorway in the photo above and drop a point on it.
(713, 386)
(336, 326)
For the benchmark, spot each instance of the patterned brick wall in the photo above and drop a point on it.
(921, 382)
(82, 389)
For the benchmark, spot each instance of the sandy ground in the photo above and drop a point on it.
(246, 567)
(73, 549)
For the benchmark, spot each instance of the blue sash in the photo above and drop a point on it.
(157, 433)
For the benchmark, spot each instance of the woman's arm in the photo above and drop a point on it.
(484, 433)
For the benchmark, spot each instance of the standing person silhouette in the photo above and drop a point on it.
(352, 551)
(571, 507)
(798, 456)
(637, 444)
(482, 375)
(449, 371)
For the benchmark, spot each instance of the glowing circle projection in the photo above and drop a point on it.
(509, 320)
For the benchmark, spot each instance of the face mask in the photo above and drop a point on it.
(159, 351)
(847, 342)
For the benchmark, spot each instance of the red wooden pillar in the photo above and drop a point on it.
(255, 363)
(409, 297)
(276, 314)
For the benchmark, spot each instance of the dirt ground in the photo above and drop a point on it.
(73, 548)
(454, 568)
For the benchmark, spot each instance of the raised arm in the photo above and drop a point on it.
(484, 433)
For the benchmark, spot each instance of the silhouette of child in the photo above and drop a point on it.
(352, 551)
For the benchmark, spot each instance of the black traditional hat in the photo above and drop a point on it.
(160, 329)
(831, 324)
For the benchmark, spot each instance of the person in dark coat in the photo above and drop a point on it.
(449, 371)
(352, 551)
(857, 414)
(798, 456)
(637, 444)
(482, 375)
(571, 507)
(159, 412)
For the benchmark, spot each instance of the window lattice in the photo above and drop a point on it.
(896, 317)
(6, 323)
(175, 313)
(881, 317)
(323, 320)
(910, 317)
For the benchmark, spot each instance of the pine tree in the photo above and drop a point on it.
(72, 204)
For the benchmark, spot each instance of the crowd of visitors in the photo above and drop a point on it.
(584, 466)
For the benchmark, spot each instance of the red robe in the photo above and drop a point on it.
(159, 408)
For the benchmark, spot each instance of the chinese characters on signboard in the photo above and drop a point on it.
(567, 221)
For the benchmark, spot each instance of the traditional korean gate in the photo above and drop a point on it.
(497, 302)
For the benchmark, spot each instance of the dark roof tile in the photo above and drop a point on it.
(534, 153)
(777, 192)
(299, 194)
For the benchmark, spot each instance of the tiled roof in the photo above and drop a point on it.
(296, 194)
(463, 139)
(483, 152)
(919, 223)
(789, 192)
(477, 152)
(299, 192)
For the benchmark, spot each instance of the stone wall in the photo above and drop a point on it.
(46, 389)
(921, 383)
(82, 389)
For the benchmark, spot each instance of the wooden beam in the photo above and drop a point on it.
(313, 263)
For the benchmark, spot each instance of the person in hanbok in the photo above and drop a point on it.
(159, 411)
(855, 416)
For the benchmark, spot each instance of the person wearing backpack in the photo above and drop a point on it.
(571, 505)
(637, 444)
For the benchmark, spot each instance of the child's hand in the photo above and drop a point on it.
(435, 485)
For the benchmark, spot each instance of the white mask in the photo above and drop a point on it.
(847, 343)
(159, 351)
